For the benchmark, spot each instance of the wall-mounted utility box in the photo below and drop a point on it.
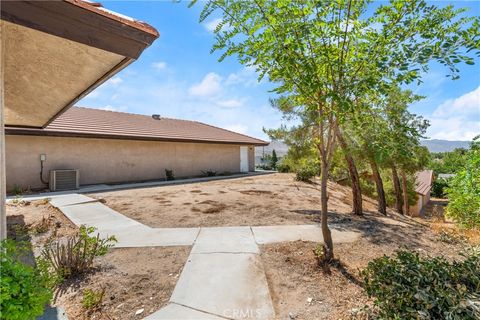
(64, 179)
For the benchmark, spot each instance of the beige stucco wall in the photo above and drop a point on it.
(109, 160)
(251, 158)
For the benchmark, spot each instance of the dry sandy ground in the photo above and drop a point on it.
(144, 278)
(274, 199)
(133, 278)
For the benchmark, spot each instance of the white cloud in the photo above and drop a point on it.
(209, 86)
(246, 76)
(115, 81)
(468, 104)
(239, 128)
(114, 108)
(212, 24)
(160, 65)
(457, 119)
(230, 103)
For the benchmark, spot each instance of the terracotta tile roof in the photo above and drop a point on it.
(87, 122)
(423, 182)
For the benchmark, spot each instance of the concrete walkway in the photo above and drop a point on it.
(223, 277)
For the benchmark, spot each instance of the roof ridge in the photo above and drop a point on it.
(176, 119)
(133, 114)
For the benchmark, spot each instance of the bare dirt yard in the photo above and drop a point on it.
(274, 199)
(299, 289)
(143, 278)
(133, 278)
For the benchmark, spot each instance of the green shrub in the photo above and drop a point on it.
(92, 299)
(283, 167)
(408, 286)
(24, 291)
(169, 175)
(439, 188)
(305, 174)
(65, 259)
(464, 190)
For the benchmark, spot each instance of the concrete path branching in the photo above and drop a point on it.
(223, 277)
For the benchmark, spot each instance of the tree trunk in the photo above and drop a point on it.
(398, 190)
(327, 236)
(405, 193)
(382, 203)
(354, 177)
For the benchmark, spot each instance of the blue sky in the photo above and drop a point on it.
(177, 77)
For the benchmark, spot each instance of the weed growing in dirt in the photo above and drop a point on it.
(65, 259)
(452, 237)
(92, 299)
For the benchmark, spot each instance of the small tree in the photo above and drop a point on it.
(274, 160)
(322, 55)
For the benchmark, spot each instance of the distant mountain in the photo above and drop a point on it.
(435, 145)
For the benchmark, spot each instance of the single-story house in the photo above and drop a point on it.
(114, 147)
(53, 53)
(423, 184)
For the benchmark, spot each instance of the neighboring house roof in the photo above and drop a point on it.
(446, 176)
(95, 123)
(423, 182)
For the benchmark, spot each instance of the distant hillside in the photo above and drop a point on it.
(435, 145)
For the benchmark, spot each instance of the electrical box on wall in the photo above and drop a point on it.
(43, 157)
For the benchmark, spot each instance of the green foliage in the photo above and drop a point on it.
(24, 290)
(464, 190)
(17, 190)
(305, 174)
(65, 259)
(439, 188)
(408, 286)
(448, 162)
(169, 175)
(283, 167)
(92, 299)
(274, 160)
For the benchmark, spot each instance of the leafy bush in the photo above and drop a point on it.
(24, 291)
(305, 174)
(92, 300)
(408, 286)
(439, 188)
(464, 190)
(169, 175)
(283, 167)
(75, 255)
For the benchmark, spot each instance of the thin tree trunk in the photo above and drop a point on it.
(327, 235)
(398, 190)
(405, 193)
(354, 177)
(382, 203)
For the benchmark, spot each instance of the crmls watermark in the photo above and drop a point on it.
(242, 313)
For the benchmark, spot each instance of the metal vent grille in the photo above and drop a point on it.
(64, 180)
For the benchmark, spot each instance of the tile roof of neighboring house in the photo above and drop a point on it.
(423, 182)
(95, 123)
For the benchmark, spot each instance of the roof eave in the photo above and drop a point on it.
(28, 131)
